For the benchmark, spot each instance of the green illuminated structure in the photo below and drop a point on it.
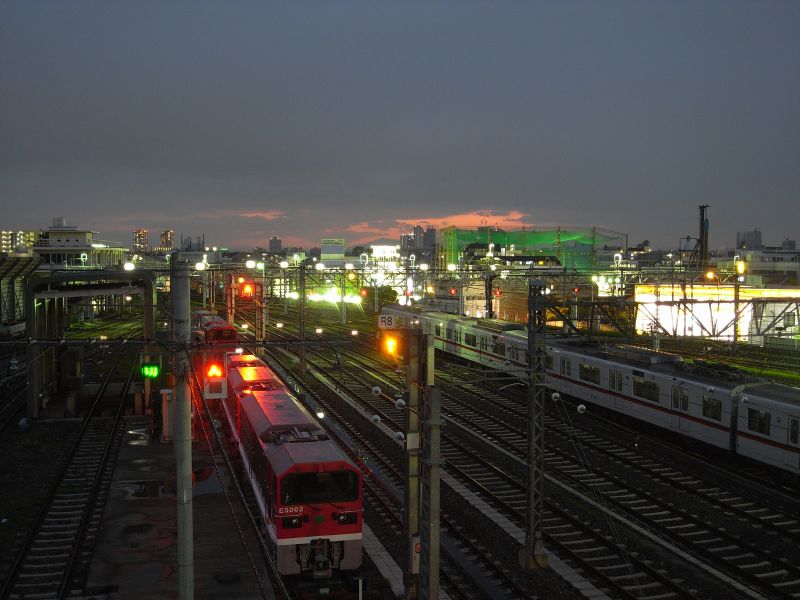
(575, 248)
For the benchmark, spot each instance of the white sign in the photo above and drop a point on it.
(387, 322)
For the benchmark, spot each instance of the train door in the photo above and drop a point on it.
(793, 446)
(680, 407)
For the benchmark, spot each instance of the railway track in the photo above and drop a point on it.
(54, 557)
(468, 572)
(768, 576)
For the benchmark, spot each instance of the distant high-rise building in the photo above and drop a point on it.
(166, 241)
(749, 240)
(11, 240)
(141, 240)
(406, 240)
(274, 245)
(419, 234)
(429, 238)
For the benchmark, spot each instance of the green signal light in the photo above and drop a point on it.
(150, 370)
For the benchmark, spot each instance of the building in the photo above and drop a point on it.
(749, 240)
(274, 245)
(10, 241)
(166, 241)
(141, 240)
(332, 250)
(14, 269)
(65, 246)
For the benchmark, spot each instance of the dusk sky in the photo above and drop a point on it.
(243, 120)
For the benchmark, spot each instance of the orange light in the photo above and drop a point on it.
(710, 275)
(453, 291)
(241, 279)
(248, 289)
(391, 345)
(363, 292)
(214, 370)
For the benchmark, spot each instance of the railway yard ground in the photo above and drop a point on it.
(622, 514)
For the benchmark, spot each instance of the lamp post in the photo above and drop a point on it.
(285, 286)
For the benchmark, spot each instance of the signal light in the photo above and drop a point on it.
(393, 344)
(247, 290)
(214, 370)
(150, 370)
(364, 292)
(497, 293)
(241, 280)
(453, 291)
(576, 290)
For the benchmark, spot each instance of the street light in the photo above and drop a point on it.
(284, 264)
(129, 266)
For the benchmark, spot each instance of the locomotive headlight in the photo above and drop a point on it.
(345, 518)
(291, 522)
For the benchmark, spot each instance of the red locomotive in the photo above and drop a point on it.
(308, 491)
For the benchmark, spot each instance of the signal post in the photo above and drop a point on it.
(421, 509)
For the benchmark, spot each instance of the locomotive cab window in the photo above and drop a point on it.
(325, 487)
(758, 421)
(589, 373)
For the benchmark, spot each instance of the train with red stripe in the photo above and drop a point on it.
(309, 493)
(715, 404)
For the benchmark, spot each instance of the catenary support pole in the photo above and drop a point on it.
(181, 332)
(411, 506)
(533, 555)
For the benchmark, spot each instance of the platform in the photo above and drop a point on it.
(136, 550)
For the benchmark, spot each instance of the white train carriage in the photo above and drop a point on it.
(716, 405)
(769, 424)
(648, 386)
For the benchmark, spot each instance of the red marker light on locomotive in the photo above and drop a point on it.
(214, 370)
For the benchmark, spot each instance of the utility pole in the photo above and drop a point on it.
(534, 556)
(430, 493)
(303, 317)
(344, 290)
(411, 506)
(181, 337)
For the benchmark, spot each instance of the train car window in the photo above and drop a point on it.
(499, 348)
(794, 431)
(615, 380)
(680, 398)
(439, 330)
(712, 408)
(589, 373)
(645, 389)
(758, 421)
(470, 339)
(449, 334)
(310, 488)
(458, 336)
(566, 366)
(548, 362)
(484, 343)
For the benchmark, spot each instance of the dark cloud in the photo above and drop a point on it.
(189, 114)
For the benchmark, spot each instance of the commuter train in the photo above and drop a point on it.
(308, 491)
(714, 404)
(209, 328)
